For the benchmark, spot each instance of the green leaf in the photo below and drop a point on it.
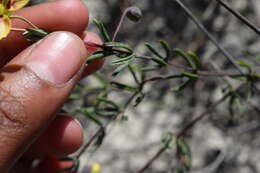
(195, 58)
(75, 96)
(33, 34)
(184, 55)
(133, 68)
(100, 79)
(87, 113)
(139, 99)
(190, 75)
(105, 113)
(159, 61)
(167, 140)
(119, 69)
(184, 155)
(100, 138)
(124, 86)
(96, 56)
(166, 47)
(181, 87)
(121, 61)
(235, 106)
(103, 30)
(107, 101)
(118, 45)
(153, 50)
(245, 65)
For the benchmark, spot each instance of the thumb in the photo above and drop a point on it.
(34, 86)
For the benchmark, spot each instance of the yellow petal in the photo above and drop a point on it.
(5, 26)
(2, 9)
(16, 4)
(4, 2)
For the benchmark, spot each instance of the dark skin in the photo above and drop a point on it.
(27, 129)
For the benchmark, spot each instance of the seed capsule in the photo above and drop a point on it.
(134, 14)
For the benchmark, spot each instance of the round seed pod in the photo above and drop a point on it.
(134, 14)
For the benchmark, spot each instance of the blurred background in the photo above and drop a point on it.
(225, 142)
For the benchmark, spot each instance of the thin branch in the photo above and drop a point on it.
(226, 54)
(186, 128)
(24, 19)
(240, 17)
(229, 57)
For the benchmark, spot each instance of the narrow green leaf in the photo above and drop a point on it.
(124, 86)
(107, 101)
(36, 32)
(86, 112)
(100, 139)
(132, 68)
(159, 61)
(119, 69)
(166, 47)
(123, 60)
(105, 113)
(184, 155)
(75, 96)
(195, 58)
(95, 56)
(99, 78)
(139, 99)
(33, 34)
(103, 30)
(167, 139)
(181, 87)
(153, 50)
(190, 75)
(245, 65)
(118, 45)
(184, 55)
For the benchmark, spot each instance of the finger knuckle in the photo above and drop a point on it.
(12, 113)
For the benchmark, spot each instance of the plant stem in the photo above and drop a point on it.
(23, 19)
(188, 127)
(18, 29)
(120, 22)
(240, 17)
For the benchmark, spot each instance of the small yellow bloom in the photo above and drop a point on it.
(95, 168)
(6, 7)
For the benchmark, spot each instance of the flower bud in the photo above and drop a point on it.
(134, 14)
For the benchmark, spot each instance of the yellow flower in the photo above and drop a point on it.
(95, 168)
(6, 7)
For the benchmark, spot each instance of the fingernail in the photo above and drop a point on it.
(58, 57)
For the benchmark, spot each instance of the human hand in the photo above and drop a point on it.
(35, 81)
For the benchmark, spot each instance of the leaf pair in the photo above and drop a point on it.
(192, 59)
